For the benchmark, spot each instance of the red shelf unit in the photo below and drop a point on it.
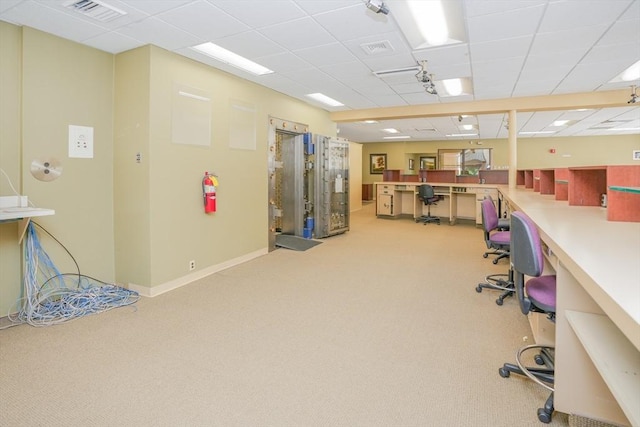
(561, 183)
(623, 201)
(528, 178)
(587, 185)
(547, 181)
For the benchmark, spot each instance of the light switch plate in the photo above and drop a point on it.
(80, 141)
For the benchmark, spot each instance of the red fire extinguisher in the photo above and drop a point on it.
(209, 192)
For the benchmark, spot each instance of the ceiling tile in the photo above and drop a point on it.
(283, 62)
(500, 49)
(500, 26)
(577, 39)
(566, 15)
(159, 33)
(113, 42)
(298, 34)
(488, 7)
(318, 55)
(261, 13)
(196, 18)
(314, 7)
(153, 7)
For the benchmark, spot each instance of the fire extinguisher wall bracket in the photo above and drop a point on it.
(209, 192)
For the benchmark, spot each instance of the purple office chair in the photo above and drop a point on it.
(496, 240)
(538, 294)
(500, 242)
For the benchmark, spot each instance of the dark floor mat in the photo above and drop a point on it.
(294, 242)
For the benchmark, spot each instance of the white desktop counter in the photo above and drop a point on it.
(597, 262)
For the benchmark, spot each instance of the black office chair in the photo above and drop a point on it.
(499, 242)
(428, 196)
(538, 294)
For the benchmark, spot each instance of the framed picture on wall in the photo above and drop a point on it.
(428, 162)
(377, 163)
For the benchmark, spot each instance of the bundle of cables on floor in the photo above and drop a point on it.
(51, 297)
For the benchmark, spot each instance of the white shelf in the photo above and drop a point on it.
(16, 208)
(16, 213)
(613, 355)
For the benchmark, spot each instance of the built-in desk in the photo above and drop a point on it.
(597, 262)
(459, 200)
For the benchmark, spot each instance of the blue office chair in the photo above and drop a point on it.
(428, 197)
(500, 242)
(538, 294)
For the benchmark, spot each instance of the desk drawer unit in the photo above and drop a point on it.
(384, 200)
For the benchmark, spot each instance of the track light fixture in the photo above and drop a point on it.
(634, 95)
(426, 79)
(377, 6)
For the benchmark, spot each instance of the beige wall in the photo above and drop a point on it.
(355, 176)
(130, 222)
(10, 84)
(531, 152)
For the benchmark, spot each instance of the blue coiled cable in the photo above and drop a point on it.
(48, 300)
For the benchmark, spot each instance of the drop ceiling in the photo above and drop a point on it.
(512, 48)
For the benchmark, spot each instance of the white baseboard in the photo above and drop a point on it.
(153, 291)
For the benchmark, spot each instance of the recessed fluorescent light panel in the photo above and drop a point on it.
(428, 23)
(630, 74)
(223, 55)
(325, 99)
(397, 137)
(454, 87)
(541, 132)
(391, 130)
(463, 134)
(560, 123)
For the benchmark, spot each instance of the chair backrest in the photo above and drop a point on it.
(489, 215)
(526, 257)
(425, 192)
(526, 247)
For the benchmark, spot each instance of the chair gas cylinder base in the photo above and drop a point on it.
(500, 282)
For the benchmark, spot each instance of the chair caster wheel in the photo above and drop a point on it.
(478, 289)
(485, 256)
(499, 301)
(504, 373)
(495, 261)
(544, 416)
(538, 359)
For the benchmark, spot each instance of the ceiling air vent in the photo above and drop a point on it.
(96, 10)
(377, 48)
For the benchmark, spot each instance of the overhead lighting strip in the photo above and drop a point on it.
(325, 99)
(223, 55)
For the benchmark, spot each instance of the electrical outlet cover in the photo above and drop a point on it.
(81, 141)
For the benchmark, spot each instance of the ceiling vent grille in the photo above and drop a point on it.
(377, 48)
(96, 10)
